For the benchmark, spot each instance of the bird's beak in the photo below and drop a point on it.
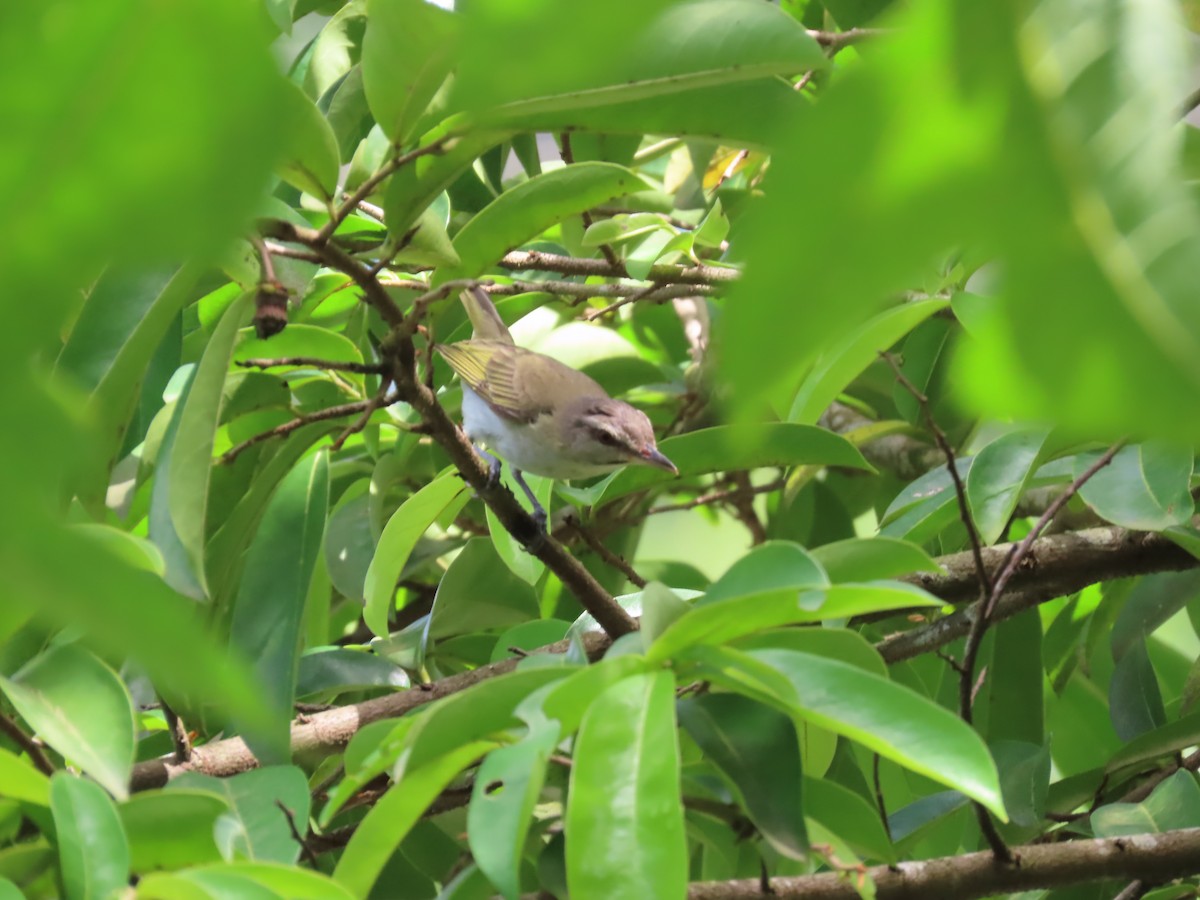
(652, 457)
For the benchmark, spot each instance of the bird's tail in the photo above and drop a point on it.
(482, 313)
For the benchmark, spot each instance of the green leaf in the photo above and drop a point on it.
(1134, 698)
(93, 855)
(179, 502)
(775, 565)
(849, 816)
(78, 705)
(414, 188)
(1153, 600)
(408, 50)
(890, 719)
(338, 669)
(724, 620)
(520, 562)
(269, 609)
(836, 368)
(256, 828)
(395, 813)
(400, 536)
(506, 789)
(755, 747)
(1145, 487)
(252, 880)
(311, 161)
(21, 781)
(568, 701)
(998, 477)
(1024, 779)
(524, 211)
(870, 559)
(1014, 691)
(1175, 803)
(668, 48)
(732, 447)
(121, 325)
(660, 607)
(624, 822)
(841, 644)
(479, 592)
(171, 829)
(299, 340)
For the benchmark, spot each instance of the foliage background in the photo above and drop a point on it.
(899, 284)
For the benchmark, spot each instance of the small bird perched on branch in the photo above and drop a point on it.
(541, 416)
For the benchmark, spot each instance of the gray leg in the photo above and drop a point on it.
(539, 512)
(493, 467)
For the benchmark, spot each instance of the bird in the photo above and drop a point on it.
(538, 414)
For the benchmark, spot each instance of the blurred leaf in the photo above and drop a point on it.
(21, 781)
(243, 880)
(1134, 699)
(171, 829)
(668, 48)
(400, 536)
(1175, 803)
(408, 50)
(998, 477)
(78, 705)
(869, 559)
(93, 854)
(336, 48)
(524, 211)
(624, 821)
(890, 719)
(755, 747)
(256, 828)
(385, 826)
(837, 367)
(732, 448)
(506, 789)
(1145, 487)
(338, 669)
(269, 609)
(123, 321)
(311, 161)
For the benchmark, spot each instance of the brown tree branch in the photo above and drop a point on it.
(1153, 857)
(312, 362)
(32, 749)
(523, 260)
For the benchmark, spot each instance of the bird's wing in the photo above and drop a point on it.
(514, 381)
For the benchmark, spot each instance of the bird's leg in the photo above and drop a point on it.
(539, 511)
(493, 467)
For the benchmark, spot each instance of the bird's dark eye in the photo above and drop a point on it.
(607, 438)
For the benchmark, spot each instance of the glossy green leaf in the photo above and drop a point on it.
(395, 813)
(400, 536)
(926, 506)
(870, 559)
(755, 747)
(184, 473)
(849, 816)
(1175, 803)
(774, 565)
(171, 829)
(890, 719)
(671, 47)
(311, 161)
(841, 644)
(568, 700)
(840, 365)
(78, 705)
(1145, 487)
(506, 789)
(256, 828)
(478, 592)
(336, 669)
(520, 562)
(122, 323)
(299, 340)
(733, 447)
(251, 880)
(624, 823)
(269, 609)
(19, 780)
(724, 620)
(998, 477)
(408, 50)
(526, 210)
(93, 854)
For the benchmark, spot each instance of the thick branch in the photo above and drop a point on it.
(1154, 857)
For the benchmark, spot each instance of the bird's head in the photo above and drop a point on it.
(610, 433)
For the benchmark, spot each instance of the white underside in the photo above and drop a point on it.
(531, 448)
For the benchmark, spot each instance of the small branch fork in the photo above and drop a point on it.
(32, 749)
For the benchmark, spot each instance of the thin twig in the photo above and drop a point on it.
(312, 362)
(296, 835)
(651, 291)
(37, 756)
(879, 802)
(612, 559)
(332, 412)
(364, 190)
(720, 496)
(524, 260)
(291, 252)
(376, 402)
(180, 741)
(833, 41)
(1135, 890)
